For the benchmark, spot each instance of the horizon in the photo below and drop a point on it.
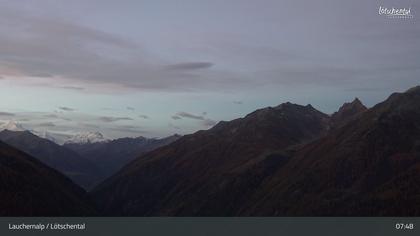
(127, 71)
(61, 138)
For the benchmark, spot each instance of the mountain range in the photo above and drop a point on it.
(288, 160)
(110, 156)
(368, 167)
(87, 138)
(86, 158)
(211, 172)
(79, 169)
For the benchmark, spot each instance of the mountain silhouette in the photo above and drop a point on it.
(347, 112)
(79, 169)
(209, 172)
(368, 167)
(30, 188)
(282, 161)
(288, 160)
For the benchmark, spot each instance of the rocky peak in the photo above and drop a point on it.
(347, 111)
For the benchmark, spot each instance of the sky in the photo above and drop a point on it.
(155, 68)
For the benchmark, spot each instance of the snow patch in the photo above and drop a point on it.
(87, 137)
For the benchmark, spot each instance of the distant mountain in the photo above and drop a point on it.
(112, 155)
(368, 167)
(30, 188)
(211, 172)
(347, 112)
(87, 138)
(12, 126)
(68, 162)
(45, 134)
(54, 136)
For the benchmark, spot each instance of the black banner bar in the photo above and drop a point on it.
(220, 226)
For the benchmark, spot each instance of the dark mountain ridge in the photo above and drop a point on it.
(288, 160)
(368, 167)
(68, 162)
(209, 172)
(347, 112)
(30, 188)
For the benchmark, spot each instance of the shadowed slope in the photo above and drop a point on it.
(112, 155)
(368, 167)
(210, 172)
(29, 188)
(68, 162)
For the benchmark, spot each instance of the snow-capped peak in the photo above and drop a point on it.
(12, 126)
(87, 137)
